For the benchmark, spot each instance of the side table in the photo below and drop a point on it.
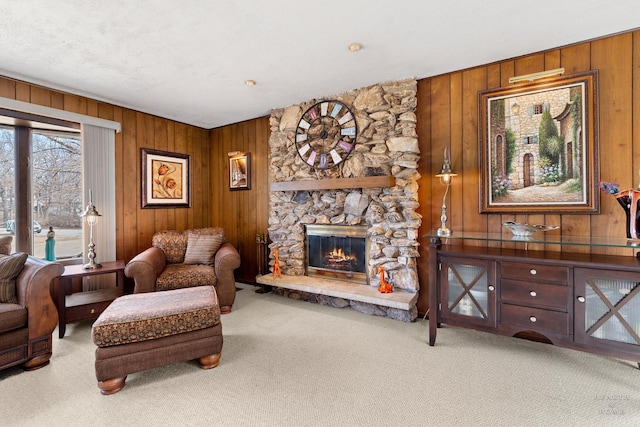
(86, 305)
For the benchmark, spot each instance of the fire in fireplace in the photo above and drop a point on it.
(337, 251)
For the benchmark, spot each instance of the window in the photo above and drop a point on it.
(42, 187)
(7, 183)
(98, 164)
(56, 188)
(538, 108)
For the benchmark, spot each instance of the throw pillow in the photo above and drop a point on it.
(210, 231)
(201, 248)
(10, 268)
(172, 243)
(5, 245)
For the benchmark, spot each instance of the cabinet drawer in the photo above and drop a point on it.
(535, 319)
(537, 272)
(532, 293)
(85, 312)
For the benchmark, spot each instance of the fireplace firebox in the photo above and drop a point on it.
(337, 251)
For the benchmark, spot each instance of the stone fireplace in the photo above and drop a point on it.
(337, 252)
(374, 189)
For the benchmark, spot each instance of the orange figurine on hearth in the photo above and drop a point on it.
(276, 264)
(385, 287)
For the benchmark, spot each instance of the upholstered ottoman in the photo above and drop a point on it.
(144, 331)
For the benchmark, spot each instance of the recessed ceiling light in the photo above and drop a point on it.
(250, 82)
(354, 47)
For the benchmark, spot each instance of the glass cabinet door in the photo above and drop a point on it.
(468, 290)
(607, 307)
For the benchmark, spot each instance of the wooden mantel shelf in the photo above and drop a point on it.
(335, 184)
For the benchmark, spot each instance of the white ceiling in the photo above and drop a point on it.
(188, 60)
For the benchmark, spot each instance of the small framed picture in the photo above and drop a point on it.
(165, 179)
(240, 171)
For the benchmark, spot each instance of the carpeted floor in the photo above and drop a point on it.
(293, 363)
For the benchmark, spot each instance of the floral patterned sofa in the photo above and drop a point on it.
(185, 259)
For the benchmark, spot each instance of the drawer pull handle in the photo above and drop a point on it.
(581, 299)
(533, 293)
(533, 319)
(533, 271)
(492, 288)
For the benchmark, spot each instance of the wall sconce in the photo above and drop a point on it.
(535, 76)
(445, 176)
(91, 215)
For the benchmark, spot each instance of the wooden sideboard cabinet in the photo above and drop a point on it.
(581, 301)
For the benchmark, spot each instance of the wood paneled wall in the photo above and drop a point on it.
(448, 117)
(135, 226)
(242, 213)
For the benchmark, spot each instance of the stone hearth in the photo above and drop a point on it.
(337, 293)
(387, 145)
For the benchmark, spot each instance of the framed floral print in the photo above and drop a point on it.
(165, 179)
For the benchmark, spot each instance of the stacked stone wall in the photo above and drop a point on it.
(387, 145)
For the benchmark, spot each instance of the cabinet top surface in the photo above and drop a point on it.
(107, 267)
(541, 237)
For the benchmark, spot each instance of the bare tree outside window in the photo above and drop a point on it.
(56, 189)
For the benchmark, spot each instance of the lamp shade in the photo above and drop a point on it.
(446, 171)
(90, 214)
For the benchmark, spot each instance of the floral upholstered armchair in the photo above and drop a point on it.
(195, 257)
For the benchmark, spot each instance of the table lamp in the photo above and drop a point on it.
(91, 215)
(445, 176)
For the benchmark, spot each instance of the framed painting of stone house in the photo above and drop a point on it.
(538, 146)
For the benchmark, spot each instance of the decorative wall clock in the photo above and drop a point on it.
(326, 134)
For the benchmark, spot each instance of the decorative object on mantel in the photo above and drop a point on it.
(445, 179)
(628, 199)
(526, 230)
(385, 287)
(276, 265)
